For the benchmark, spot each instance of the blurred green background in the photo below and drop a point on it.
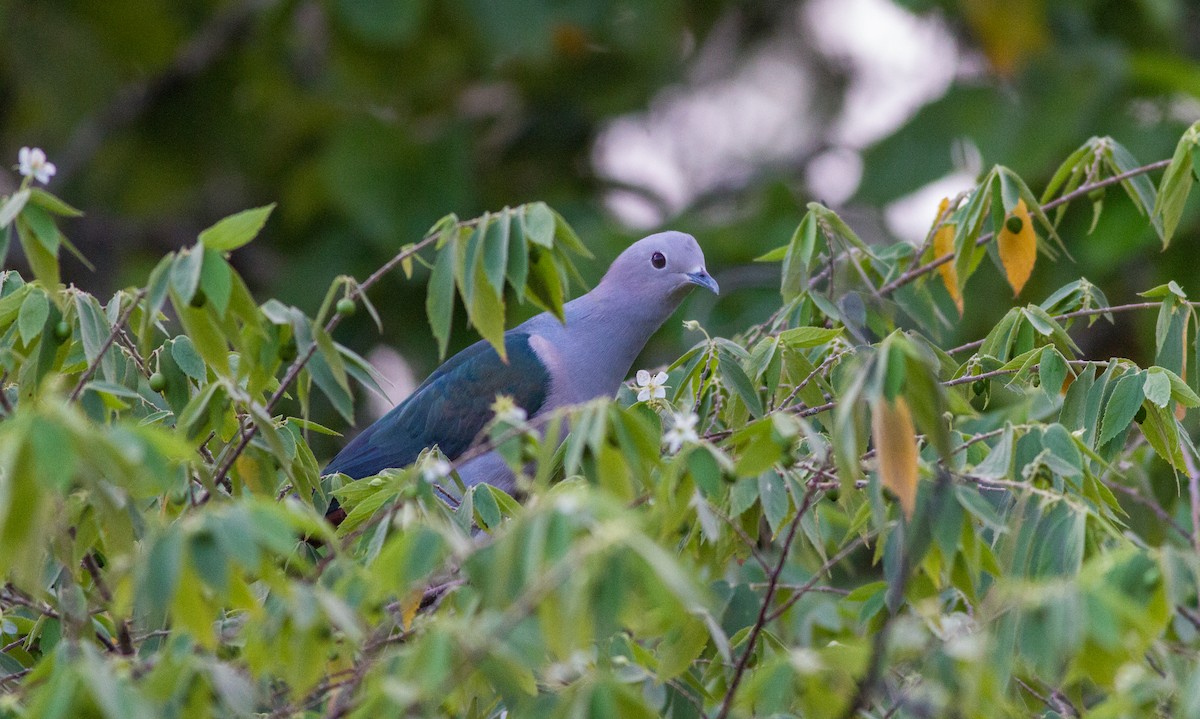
(366, 120)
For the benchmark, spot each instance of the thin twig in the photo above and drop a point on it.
(124, 340)
(108, 341)
(763, 612)
(816, 577)
(124, 643)
(1091, 311)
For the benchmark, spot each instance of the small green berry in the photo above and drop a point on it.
(1014, 224)
(346, 307)
(62, 330)
(198, 299)
(979, 386)
(158, 382)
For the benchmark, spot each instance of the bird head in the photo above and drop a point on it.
(666, 265)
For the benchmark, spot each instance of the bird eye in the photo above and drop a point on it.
(659, 260)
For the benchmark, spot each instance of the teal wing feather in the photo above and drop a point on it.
(449, 409)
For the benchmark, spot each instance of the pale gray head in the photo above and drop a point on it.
(660, 268)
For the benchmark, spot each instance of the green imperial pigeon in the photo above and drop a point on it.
(550, 364)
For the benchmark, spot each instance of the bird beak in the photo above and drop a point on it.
(702, 278)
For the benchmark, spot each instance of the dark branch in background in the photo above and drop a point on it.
(108, 342)
(765, 609)
(134, 100)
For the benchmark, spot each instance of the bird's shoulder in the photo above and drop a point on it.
(451, 407)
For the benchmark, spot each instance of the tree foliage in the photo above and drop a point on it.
(861, 522)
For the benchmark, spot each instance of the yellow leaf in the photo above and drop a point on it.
(1018, 246)
(409, 607)
(896, 449)
(1010, 32)
(943, 244)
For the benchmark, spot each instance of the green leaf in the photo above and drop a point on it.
(42, 259)
(681, 647)
(565, 237)
(205, 334)
(800, 337)
(185, 273)
(329, 373)
(209, 561)
(998, 464)
(544, 285)
(439, 298)
(1175, 185)
(160, 575)
(486, 313)
(735, 377)
(1162, 433)
(1126, 398)
(539, 224)
(1139, 187)
(798, 256)
(32, 317)
(487, 512)
(1157, 387)
(236, 230)
(93, 327)
(216, 279)
(51, 204)
(495, 251)
(1180, 391)
(183, 351)
(517, 266)
(1052, 370)
(776, 501)
(13, 206)
(774, 255)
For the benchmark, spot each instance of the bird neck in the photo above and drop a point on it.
(609, 328)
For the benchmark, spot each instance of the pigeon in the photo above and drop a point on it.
(550, 364)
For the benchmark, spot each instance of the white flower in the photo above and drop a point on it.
(436, 469)
(651, 387)
(31, 162)
(506, 410)
(682, 431)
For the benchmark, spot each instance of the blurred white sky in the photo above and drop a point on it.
(715, 131)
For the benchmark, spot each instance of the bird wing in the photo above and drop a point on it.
(449, 409)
